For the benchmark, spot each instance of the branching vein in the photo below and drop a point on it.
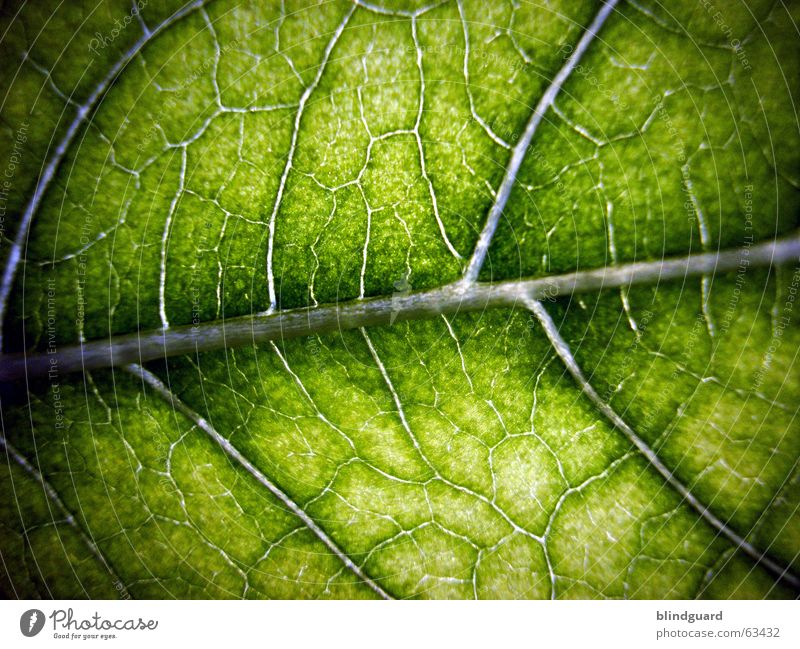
(451, 299)
(292, 148)
(54, 500)
(83, 113)
(165, 393)
(562, 349)
(521, 148)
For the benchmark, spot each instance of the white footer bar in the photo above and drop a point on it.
(406, 625)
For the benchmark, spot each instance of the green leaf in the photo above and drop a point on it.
(332, 212)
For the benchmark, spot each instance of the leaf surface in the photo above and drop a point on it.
(262, 157)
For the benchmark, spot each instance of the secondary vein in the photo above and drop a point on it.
(521, 148)
(82, 114)
(229, 449)
(561, 348)
(55, 499)
(293, 147)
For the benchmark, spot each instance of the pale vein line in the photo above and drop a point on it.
(395, 397)
(437, 475)
(705, 240)
(162, 277)
(423, 169)
(53, 496)
(463, 363)
(521, 148)
(497, 139)
(82, 114)
(292, 147)
(306, 394)
(612, 250)
(455, 298)
(365, 249)
(165, 393)
(562, 349)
